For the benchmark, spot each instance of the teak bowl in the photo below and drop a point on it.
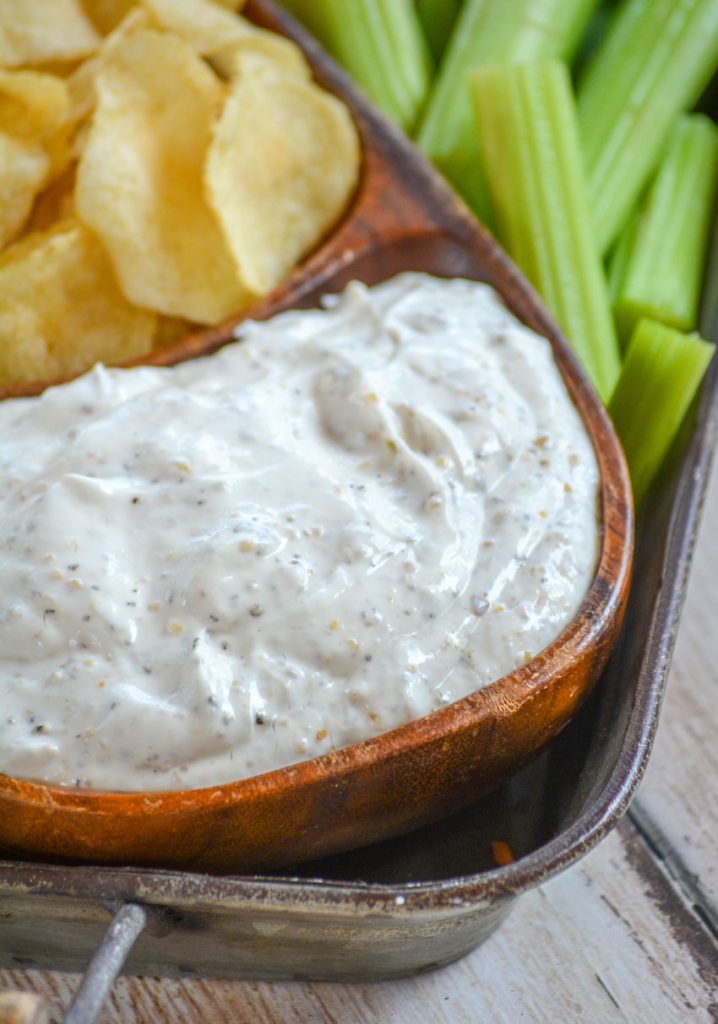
(403, 217)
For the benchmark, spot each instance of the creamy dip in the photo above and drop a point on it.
(350, 519)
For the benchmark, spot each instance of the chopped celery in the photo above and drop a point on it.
(381, 44)
(529, 138)
(659, 380)
(655, 61)
(437, 18)
(490, 32)
(665, 267)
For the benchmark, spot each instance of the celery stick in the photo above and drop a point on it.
(529, 138)
(381, 44)
(655, 61)
(437, 18)
(620, 258)
(660, 378)
(490, 32)
(592, 37)
(665, 268)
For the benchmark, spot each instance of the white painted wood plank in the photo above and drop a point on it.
(678, 800)
(605, 942)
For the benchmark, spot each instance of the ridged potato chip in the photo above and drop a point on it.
(23, 171)
(39, 31)
(282, 166)
(61, 309)
(139, 180)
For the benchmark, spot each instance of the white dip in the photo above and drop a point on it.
(352, 518)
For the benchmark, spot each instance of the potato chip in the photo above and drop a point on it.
(169, 330)
(81, 89)
(267, 45)
(37, 31)
(205, 24)
(139, 181)
(81, 83)
(61, 309)
(282, 166)
(23, 170)
(55, 202)
(33, 109)
(33, 105)
(106, 15)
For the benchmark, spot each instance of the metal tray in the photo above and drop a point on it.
(413, 903)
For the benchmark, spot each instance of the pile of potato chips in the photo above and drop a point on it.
(162, 162)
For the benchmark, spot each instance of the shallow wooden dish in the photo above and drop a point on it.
(403, 217)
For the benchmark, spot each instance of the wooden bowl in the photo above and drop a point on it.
(403, 217)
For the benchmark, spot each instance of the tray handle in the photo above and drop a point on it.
(126, 926)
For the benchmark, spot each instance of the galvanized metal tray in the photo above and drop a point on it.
(412, 903)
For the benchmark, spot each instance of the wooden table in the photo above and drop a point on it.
(628, 935)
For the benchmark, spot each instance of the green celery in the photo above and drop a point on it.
(620, 258)
(529, 138)
(592, 37)
(655, 61)
(660, 377)
(665, 268)
(437, 18)
(490, 32)
(381, 45)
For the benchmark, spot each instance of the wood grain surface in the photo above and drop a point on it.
(627, 935)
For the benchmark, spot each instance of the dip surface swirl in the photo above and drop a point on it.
(353, 517)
